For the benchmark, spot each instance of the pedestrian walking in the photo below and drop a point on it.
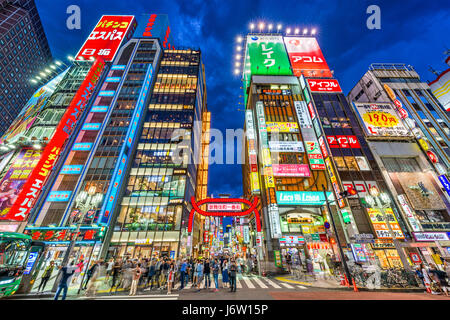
(98, 273)
(90, 273)
(216, 269)
(170, 278)
(232, 272)
(109, 269)
(207, 273)
(46, 276)
(151, 274)
(116, 271)
(440, 279)
(66, 273)
(199, 272)
(225, 279)
(137, 272)
(183, 270)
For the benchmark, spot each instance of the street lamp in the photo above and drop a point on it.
(382, 201)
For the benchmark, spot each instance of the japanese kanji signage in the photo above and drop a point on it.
(105, 39)
(306, 57)
(324, 85)
(16, 176)
(343, 142)
(268, 56)
(31, 189)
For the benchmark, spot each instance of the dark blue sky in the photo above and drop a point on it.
(414, 32)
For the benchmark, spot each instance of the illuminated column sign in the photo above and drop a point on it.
(31, 189)
(252, 155)
(274, 216)
(99, 109)
(114, 187)
(91, 126)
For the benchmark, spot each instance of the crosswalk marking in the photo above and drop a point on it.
(273, 284)
(287, 285)
(301, 287)
(248, 282)
(136, 297)
(260, 283)
(238, 284)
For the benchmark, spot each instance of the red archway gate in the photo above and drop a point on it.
(251, 208)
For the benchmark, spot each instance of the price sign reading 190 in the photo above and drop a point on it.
(380, 119)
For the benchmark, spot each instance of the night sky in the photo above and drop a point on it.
(414, 32)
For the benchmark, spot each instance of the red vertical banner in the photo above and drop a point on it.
(31, 189)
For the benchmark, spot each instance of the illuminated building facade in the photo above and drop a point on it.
(303, 144)
(409, 142)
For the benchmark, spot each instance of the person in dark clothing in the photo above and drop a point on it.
(90, 273)
(207, 273)
(151, 274)
(46, 276)
(66, 273)
(232, 270)
(115, 272)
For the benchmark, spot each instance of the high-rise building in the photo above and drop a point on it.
(118, 148)
(407, 131)
(24, 52)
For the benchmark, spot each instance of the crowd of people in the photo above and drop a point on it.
(147, 274)
(435, 280)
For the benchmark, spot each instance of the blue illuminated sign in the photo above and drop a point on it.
(91, 126)
(106, 93)
(59, 196)
(111, 199)
(118, 67)
(71, 169)
(99, 109)
(30, 263)
(443, 179)
(308, 198)
(112, 79)
(82, 146)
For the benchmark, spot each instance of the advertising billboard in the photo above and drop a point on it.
(13, 181)
(324, 85)
(306, 57)
(380, 120)
(267, 55)
(32, 187)
(106, 38)
(31, 110)
(282, 127)
(380, 226)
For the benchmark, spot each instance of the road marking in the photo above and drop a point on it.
(301, 287)
(248, 282)
(238, 284)
(272, 283)
(287, 285)
(260, 283)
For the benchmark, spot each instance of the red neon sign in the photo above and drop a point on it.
(251, 205)
(31, 189)
(105, 39)
(322, 85)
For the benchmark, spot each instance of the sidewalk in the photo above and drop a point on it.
(333, 285)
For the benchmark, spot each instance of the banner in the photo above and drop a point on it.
(380, 226)
(268, 55)
(311, 198)
(306, 57)
(282, 127)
